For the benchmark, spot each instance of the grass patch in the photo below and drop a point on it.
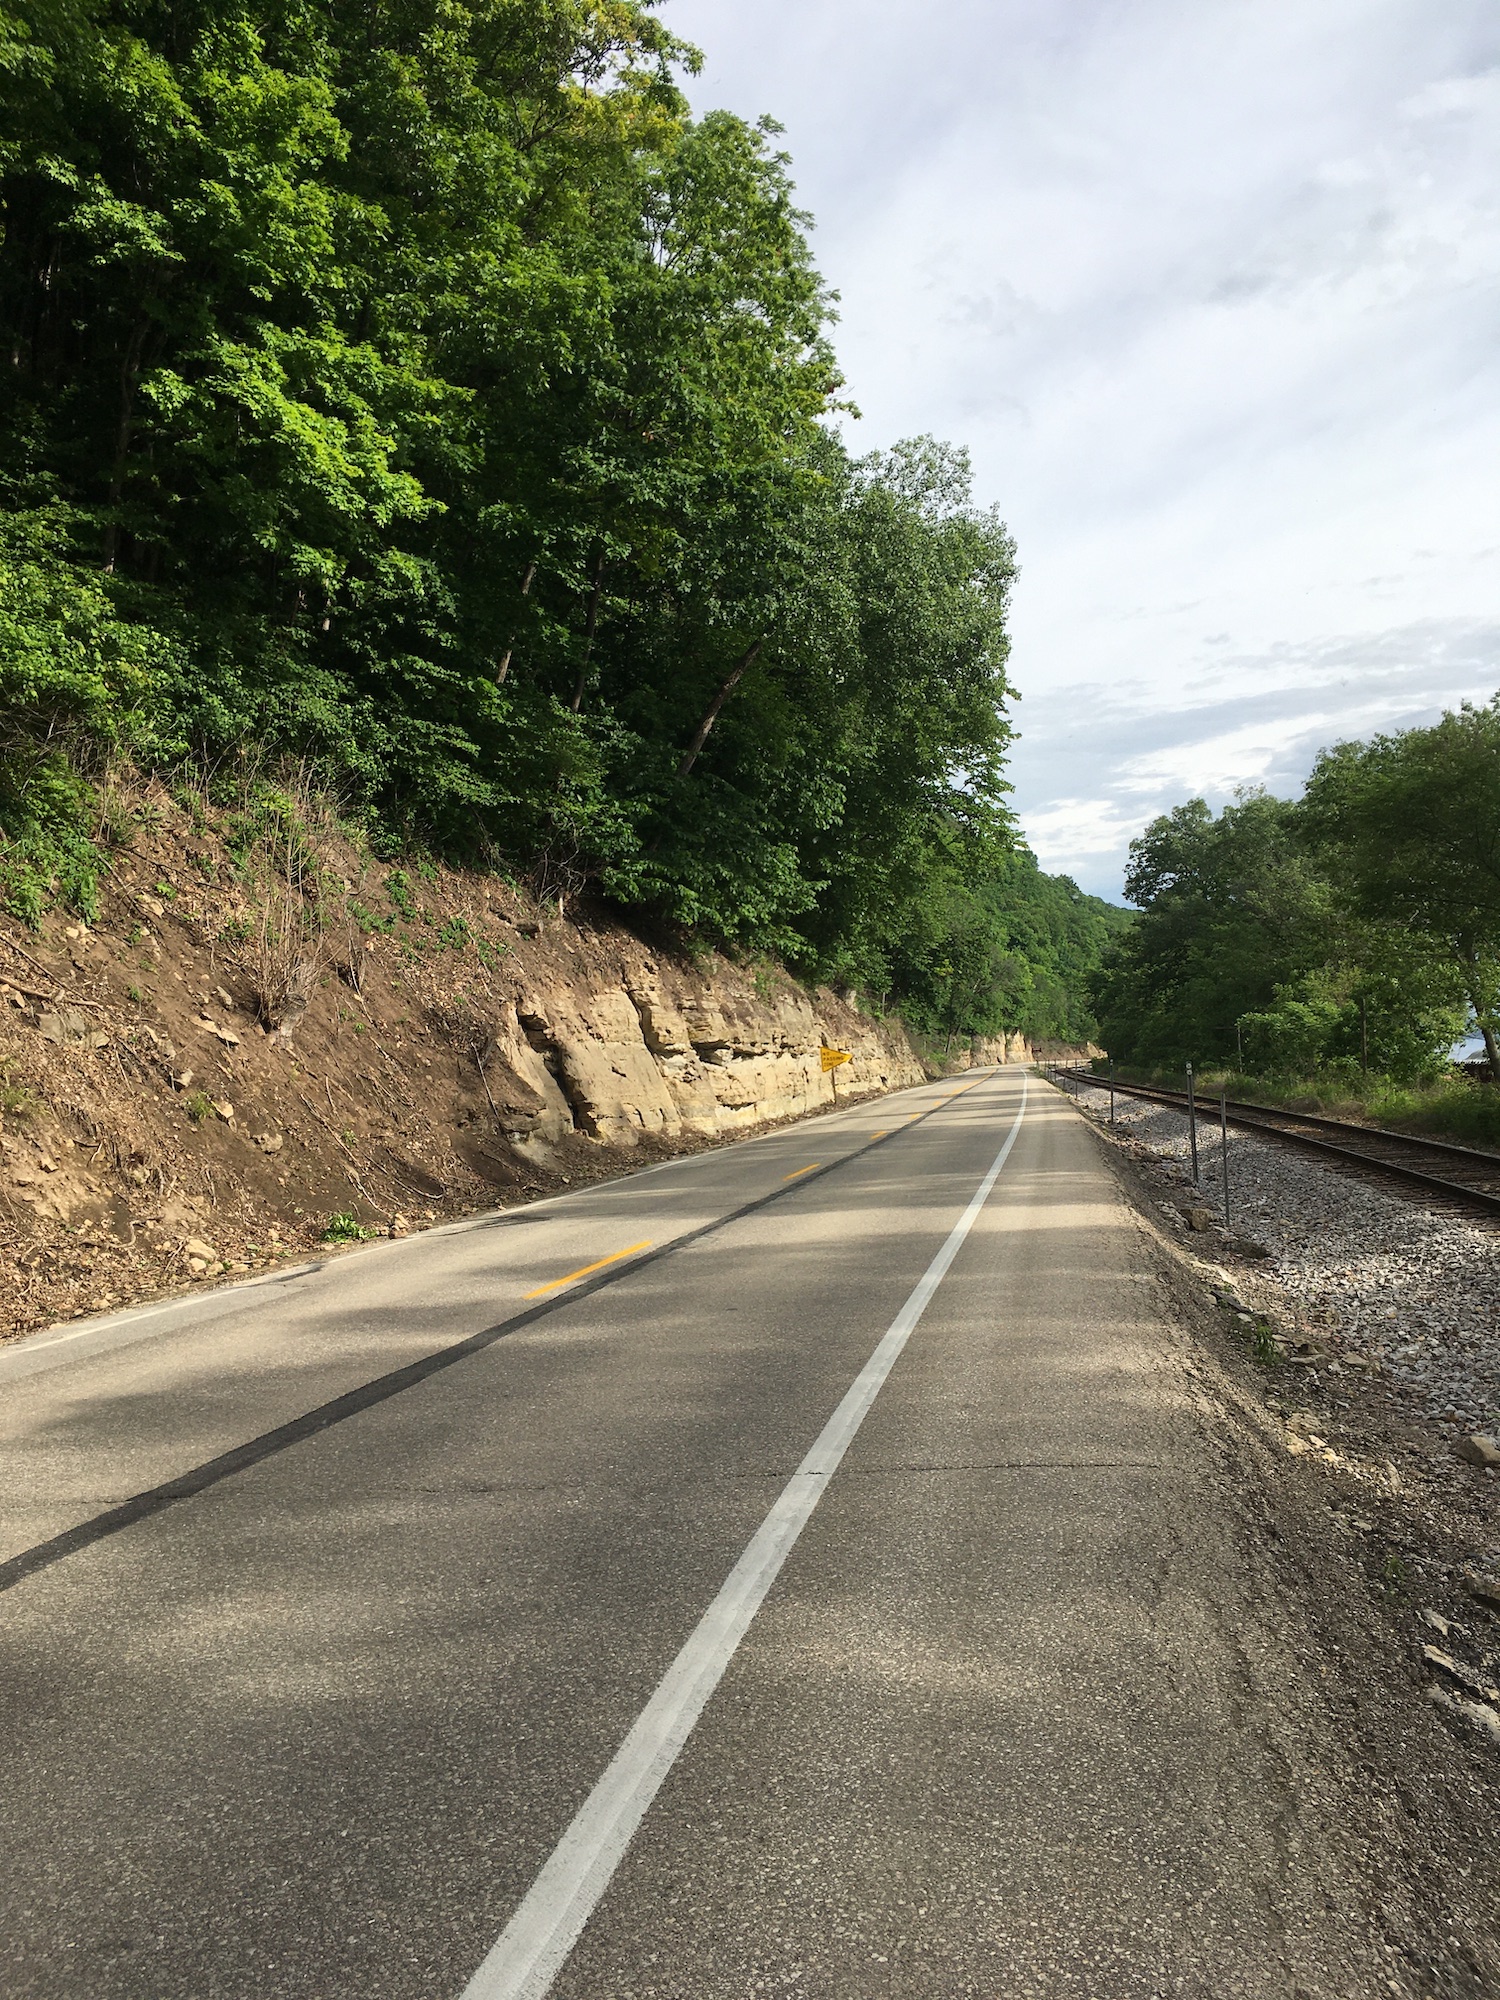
(1263, 1345)
(1463, 1111)
(398, 889)
(17, 1100)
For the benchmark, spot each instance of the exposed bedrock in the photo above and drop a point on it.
(668, 1051)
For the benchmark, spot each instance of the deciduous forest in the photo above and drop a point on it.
(419, 396)
(1345, 939)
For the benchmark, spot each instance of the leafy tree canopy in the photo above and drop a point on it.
(421, 392)
(1347, 931)
(1411, 822)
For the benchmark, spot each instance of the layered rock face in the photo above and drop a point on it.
(666, 1052)
(984, 1050)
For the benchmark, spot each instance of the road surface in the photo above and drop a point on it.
(830, 1592)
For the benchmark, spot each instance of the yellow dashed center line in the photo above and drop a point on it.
(553, 1283)
(878, 1135)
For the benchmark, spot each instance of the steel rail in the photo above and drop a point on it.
(1329, 1124)
(1262, 1118)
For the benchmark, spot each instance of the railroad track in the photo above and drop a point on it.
(1441, 1169)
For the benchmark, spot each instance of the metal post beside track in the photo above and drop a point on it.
(1192, 1124)
(1224, 1152)
(1111, 1090)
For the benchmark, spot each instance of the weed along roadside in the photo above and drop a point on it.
(260, 1046)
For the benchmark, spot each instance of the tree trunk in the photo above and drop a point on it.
(504, 667)
(130, 373)
(588, 641)
(741, 667)
(1484, 1017)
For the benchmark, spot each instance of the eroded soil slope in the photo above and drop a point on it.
(264, 1035)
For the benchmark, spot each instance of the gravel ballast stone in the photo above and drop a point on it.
(1411, 1292)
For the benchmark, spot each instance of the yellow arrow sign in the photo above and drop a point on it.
(833, 1057)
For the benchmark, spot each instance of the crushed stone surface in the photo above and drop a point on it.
(1410, 1289)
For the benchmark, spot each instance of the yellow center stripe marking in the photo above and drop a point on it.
(553, 1283)
(801, 1170)
(879, 1135)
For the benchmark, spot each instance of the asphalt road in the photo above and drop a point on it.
(986, 1715)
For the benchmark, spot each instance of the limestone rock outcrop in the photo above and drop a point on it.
(662, 1050)
(983, 1050)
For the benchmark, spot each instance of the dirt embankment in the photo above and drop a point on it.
(266, 1034)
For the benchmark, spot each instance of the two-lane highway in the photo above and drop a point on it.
(791, 1570)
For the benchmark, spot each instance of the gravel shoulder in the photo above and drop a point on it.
(1344, 1343)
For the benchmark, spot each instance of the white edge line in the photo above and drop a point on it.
(547, 1923)
(114, 1322)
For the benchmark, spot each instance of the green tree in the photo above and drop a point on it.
(1249, 949)
(427, 396)
(1231, 908)
(1410, 824)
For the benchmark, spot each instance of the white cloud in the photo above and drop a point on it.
(1210, 292)
(1074, 834)
(1256, 719)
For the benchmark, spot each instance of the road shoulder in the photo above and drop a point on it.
(1343, 1600)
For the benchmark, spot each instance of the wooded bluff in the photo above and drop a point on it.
(420, 401)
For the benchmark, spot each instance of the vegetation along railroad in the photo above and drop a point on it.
(1467, 1176)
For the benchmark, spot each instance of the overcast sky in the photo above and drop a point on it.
(1209, 291)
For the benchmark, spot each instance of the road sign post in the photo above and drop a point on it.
(832, 1058)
